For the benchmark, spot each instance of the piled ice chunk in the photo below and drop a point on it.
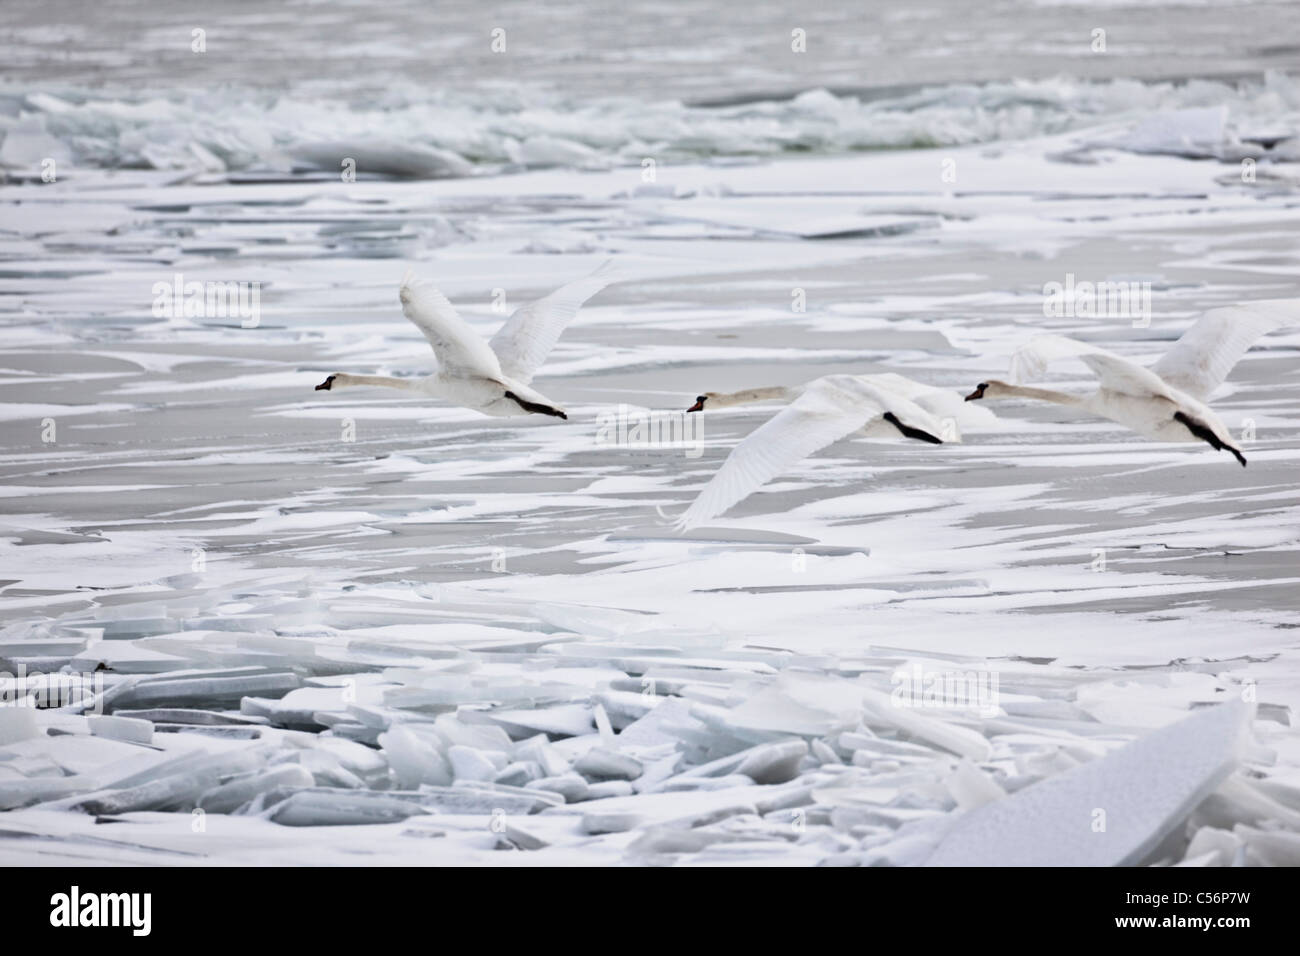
(572, 735)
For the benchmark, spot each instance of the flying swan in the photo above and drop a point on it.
(1166, 401)
(824, 411)
(490, 377)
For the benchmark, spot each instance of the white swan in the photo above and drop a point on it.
(1163, 402)
(824, 411)
(490, 377)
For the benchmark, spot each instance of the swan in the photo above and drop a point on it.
(491, 377)
(1164, 402)
(821, 412)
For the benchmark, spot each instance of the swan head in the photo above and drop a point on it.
(990, 389)
(700, 400)
(325, 385)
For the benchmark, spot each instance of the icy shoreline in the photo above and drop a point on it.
(252, 134)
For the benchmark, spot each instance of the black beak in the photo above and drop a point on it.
(978, 393)
(698, 406)
(325, 385)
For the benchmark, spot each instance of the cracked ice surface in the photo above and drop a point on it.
(454, 639)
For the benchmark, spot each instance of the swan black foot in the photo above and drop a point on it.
(536, 408)
(910, 432)
(1206, 434)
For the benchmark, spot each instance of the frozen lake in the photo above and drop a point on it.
(405, 620)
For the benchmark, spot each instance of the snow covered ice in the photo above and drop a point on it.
(252, 623)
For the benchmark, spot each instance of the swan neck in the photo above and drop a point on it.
(345, 380)
(748, 395)
(1043, 394)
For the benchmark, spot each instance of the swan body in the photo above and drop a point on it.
(492, 377)
(1166, 401)
(822, 412)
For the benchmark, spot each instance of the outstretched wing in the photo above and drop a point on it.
(1199, 361)
(1118, 374)
(458, 347)
(530, 333)
(829, 409)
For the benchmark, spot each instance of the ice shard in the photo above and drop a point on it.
(1110, 812)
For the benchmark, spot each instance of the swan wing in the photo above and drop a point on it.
(898, 384)
(530, 333)
(1114, 372)
(829, 409)
(460, 350)
(1199, 361)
